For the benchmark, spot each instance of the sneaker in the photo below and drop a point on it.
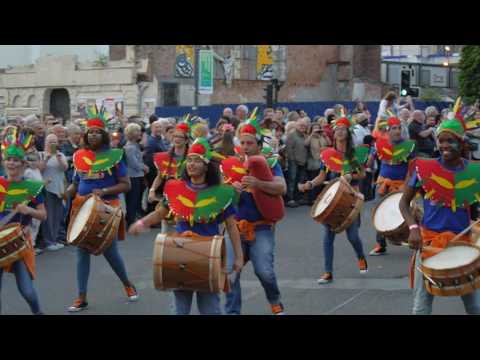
(325, 278)
(362, 266)
(303, 202)
(38, 251)
(52, 248)
(278, 309)
(378, 250)
(292, 204)
(78, 305)
(131, 293)
(59, 246)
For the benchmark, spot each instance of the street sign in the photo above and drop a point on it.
(205, 81)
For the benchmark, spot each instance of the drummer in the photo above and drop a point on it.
(30, 205)
(107, 182)
(170, 165)
(396, 156)
(202, 177)
(343, 144)
(445, 215)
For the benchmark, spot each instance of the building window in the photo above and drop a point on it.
(170, 94)
(425, 78)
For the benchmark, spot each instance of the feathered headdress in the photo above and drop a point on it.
(201, 148)
(96, 118)
(343, 120)
(251, 126)
(455, 124)
(16, 142)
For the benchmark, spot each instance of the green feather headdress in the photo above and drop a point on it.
(16, 142)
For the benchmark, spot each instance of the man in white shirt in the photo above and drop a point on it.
(361, 129)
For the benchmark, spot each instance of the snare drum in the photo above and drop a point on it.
(13, 244)
(95, 226)
(455, 271)
(337, 206)
(388, 221)
(193, 263)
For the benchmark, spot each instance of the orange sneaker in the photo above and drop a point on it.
(78, 305)
(325, 278)
(131, 293)
(362, 265)
(278, 309)
(378, 250)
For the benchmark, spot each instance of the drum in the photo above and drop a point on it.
(194, 263)
(455, 271)
(13, 244)
(388, 220)
(95, 225)
(337, 206)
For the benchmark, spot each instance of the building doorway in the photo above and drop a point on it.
(60, 104)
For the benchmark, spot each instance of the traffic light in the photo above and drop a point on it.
(269, 95)
(405, 82)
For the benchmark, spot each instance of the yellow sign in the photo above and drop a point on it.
(184, 61)
(264, 62)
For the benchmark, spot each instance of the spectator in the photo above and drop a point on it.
(297, 154)
(389, 102)
(268, 113)
(241, 112)
(61, 133)
(279, 115)
(226, 144)
(327, 128)
(361, 107)
(168, 136)
(136, 171)
(431, 111)
(53, 164)
(292, 116)
(39, 130)
(316, 142)
(361, 129)
(422, 134)
(32, 172)
(151, 119)
(200, 130)
(227, 112)
(405, 121)
(235, 122)
(290, 127)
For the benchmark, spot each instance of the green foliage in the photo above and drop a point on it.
(430, 94)
(469, 77)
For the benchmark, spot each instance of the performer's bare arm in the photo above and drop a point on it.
(275, 187)
(415, 238)
(232, 230)
(38, 212)
(317, 181)
(156, 183)
(71, 190)
(155, 217)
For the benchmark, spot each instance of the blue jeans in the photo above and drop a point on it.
(296, 174)
(24, 285)
(114, 259)
(261, 253)
(133, 198)
(423, 301)
(353, 238)
(55, 211)
(208, 303)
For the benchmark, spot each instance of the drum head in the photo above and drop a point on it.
(6, 232)
(452, 257)
(326, 199)
(388, 217)
(81, 219)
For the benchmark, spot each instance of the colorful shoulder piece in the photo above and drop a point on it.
(272, 159)
(197, 206)
(447, 188)
(87, 161)
(12, 193)
(335, 162)
(232, 170)
(394, 154)
(162, 160)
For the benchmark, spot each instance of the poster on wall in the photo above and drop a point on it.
(184, 61)
(264, 62)
(205, 81)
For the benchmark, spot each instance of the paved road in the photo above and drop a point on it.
(383, 291)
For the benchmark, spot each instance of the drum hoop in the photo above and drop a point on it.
(378, 205)
(13, 234)
(332, 204)
(436, 272)
(158, 268)
(213, 248)
(88, 223)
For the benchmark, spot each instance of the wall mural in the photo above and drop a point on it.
(184, 61)
(264, 62)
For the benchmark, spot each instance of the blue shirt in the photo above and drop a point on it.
(440, 218)
(206, 229)
(100, 180)
(396, 171)
(247, 208)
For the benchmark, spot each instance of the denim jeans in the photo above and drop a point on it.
(55, 211)
(381, 240)
(261, 253)
(353, 238)
(133, 198)
(208, 303)
(114, 259)
(296, 174)
(423, 300)
(24, 285)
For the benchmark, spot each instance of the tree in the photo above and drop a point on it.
(469, 77)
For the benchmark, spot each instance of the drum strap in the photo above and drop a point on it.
(247, 228)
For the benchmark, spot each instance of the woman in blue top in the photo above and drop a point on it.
(203, 177)
(101, 171)
(26, 195)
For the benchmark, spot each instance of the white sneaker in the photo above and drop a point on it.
(52, 248)
(59, 246)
